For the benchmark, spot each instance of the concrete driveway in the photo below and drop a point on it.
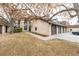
(66, 36)
(63, 36)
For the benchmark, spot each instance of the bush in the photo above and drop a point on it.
(17, 29)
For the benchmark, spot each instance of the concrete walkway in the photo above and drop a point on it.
(64, 36)
(37, 36)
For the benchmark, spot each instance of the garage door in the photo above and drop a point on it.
(0, 29)
(53, 29)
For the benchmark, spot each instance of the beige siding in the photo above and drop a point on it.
(42, 27)
(50, 30)
(73, 29)
(61, 29)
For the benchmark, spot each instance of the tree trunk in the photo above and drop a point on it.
(11, 29)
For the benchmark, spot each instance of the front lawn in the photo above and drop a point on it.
(24, 44)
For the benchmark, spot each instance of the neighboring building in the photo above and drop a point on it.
(23, 23)
(71, 28)
(3, 26)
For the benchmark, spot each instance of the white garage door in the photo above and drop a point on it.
(0, 29)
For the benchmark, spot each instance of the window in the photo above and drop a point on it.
(25, 27)
(25, 21)
(35, 28)
(19, 22)
(0, 29)
(25, 24)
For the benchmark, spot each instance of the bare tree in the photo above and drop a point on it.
(75, 8)
(6, 8)
(35, 10)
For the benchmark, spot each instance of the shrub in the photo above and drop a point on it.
(17, 29)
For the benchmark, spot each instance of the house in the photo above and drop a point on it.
(38, 26)
(46, 28)
(71, 28)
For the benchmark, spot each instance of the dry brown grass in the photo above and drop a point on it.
(23, 44)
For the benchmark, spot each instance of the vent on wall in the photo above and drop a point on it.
(35, 28)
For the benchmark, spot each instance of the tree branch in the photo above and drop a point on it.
(71, 9)
(29, 9)
(67, 10)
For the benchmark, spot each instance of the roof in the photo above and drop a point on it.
(73, 26)
(50, 22)
(3, 22)
(57, 23)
